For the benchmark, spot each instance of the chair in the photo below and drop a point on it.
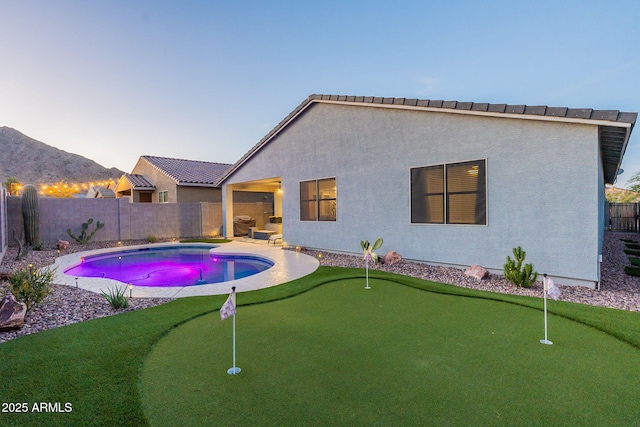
(274, 238)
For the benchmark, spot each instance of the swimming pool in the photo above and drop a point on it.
(169, 266)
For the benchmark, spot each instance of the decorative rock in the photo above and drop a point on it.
(392, 257)
(477, 271)
(12, 313)
(5, 273)
(62, 245)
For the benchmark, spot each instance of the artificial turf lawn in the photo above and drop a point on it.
(343, 355)
(95, 365)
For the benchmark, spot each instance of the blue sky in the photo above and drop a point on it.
(206, 80)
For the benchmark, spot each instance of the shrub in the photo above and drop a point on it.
(31, 286)
(634, 260)
(152, 239)
(516, 273)
(632, 271)
(116, 298)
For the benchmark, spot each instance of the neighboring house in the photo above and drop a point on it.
(444, 182)
(136, 187)
(100, 193)
(167, 180)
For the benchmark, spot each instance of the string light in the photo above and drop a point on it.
(62, 187)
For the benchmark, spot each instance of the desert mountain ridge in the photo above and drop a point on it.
(34, 162)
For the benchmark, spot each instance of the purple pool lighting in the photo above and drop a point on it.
(169, 266)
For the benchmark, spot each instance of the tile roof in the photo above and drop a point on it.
(105, 192)
(189, 172)
(614, 126)
(138, 182)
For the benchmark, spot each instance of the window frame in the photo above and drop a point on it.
(166, 196)
(446, 194)
(317, 201)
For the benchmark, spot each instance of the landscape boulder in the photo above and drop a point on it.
(62, 245)
(392, 257)
(477, 272)
(12, 313)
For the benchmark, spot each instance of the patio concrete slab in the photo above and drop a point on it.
(288, 265)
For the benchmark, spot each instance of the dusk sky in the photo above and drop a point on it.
(206, 80)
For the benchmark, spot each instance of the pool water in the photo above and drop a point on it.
(169, 266)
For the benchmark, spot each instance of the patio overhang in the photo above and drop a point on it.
(264, 185)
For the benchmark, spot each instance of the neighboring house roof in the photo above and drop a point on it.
(138, 182)
(105, 192)
(614, 126)
(189, 172)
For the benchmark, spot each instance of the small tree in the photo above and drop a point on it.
(12, 185)
(633, 183)
(61, 189)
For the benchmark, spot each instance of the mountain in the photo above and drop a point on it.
(34, 162)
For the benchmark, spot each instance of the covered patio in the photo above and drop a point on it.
(268, 224)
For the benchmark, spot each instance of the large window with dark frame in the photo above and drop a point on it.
(453, 193)
(318, 200)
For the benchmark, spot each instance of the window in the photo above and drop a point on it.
(163, 196)
(449, 194)
(318, 200)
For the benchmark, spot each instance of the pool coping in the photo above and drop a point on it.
(288, 265)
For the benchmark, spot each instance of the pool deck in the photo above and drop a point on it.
(288, 265)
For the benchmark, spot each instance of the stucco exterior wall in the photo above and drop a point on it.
(160, 180)
(198, 194)
(544, 185)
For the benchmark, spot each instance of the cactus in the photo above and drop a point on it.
(30, 214)
(516, 273)
(84, 237)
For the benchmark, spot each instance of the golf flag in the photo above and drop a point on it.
(228, 309)
(551, 288)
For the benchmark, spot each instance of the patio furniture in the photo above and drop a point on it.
(263, 234)
(274, 238)
(241, 224)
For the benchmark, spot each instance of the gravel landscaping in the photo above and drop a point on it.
(66, 305)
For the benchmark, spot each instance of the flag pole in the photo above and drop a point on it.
(544, 291)
(234, 370)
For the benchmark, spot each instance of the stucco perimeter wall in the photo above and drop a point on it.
(543, 185)
(123, 220)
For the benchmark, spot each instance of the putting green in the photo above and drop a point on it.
(391, 355)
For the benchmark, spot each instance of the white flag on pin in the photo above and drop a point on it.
(551, 288)
(228, 309)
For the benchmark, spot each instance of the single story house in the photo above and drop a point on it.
(166, 180)
(443, 182)
(98, 192)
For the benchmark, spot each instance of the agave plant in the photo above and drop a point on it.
(370, 255)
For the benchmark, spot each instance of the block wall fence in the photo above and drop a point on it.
(124, 220)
